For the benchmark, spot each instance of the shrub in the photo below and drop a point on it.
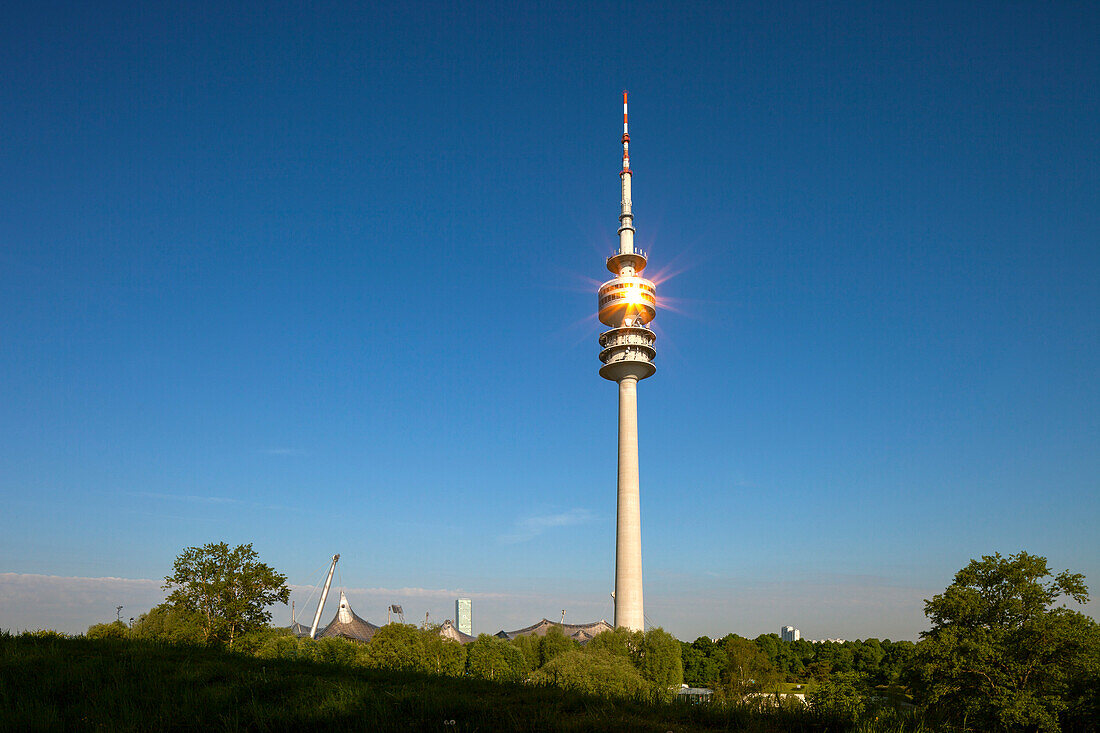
(491, 658)
(838, 697)
(554, 643)
(443, 656)
(397, 646)
(113, 630)
(175, 625)
(529, 648)
(596, 672)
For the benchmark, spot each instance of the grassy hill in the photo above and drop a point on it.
(127, 685)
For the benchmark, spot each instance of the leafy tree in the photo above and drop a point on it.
(714, 662)
(491, 658)
(397, 646)
(1000, 655)
(747, 669)
(820, 670)
(443, 656)
(166, 623)
(336, 650)
(898, 658)
(699, 669)
(621, 641)
(659, 660)
(113, 630)
(229, 589)
(255, 640)
(804, 650)
(838, 696)
(529, 647)
(839, 657)
(594, 671)
(868, 657)
(554, 643)
(770, 644)
(654, 653)
(280, 646)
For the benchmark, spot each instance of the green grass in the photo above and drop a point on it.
(789, 687)
(126, 685)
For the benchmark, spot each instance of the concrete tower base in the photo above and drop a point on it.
(628, 535)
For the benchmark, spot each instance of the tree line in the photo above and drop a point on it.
(1004, 652)
(619, 663)
(760, 664)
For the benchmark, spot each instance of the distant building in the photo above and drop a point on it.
(790, 633)
(464, 616)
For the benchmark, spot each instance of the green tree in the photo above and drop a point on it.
(228, 588)
(838, 657)
(838, 696)
(113, 630)
(699, 669)
(654, 653)
(621, 641)
(659, 661)
(336, 650)
(554, 643)
(491, 658)
(529, 647)
(747, 669)
(715, 660)
(868, 656)
(898, 659)
(770, 645)
(804, 650)
(443, 656)
(1000, 655)
(174, 625)
(596, 672)
(397, 646)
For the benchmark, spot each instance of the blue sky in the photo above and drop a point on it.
(323, 279)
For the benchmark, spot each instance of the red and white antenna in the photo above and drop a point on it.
(626, 138)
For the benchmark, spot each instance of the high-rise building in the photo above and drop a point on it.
(627, 303)
(790, 633)
(464, 615)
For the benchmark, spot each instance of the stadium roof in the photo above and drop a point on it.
(577, 632)
(448, 631)
(347, 624)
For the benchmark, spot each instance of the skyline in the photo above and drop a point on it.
(277, 277)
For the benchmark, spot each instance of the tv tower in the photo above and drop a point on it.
(626, 303)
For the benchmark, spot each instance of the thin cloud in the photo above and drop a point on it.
(531, 527)
(415, 593)
(198, 499)
(71, 604)
(186, 497)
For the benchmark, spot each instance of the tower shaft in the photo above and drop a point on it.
(628, 526)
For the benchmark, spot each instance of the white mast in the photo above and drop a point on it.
(324, 597)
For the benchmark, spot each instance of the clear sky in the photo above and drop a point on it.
(322, 279)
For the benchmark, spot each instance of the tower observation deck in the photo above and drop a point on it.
(626, 304)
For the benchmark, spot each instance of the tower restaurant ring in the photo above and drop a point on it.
(627, 298)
